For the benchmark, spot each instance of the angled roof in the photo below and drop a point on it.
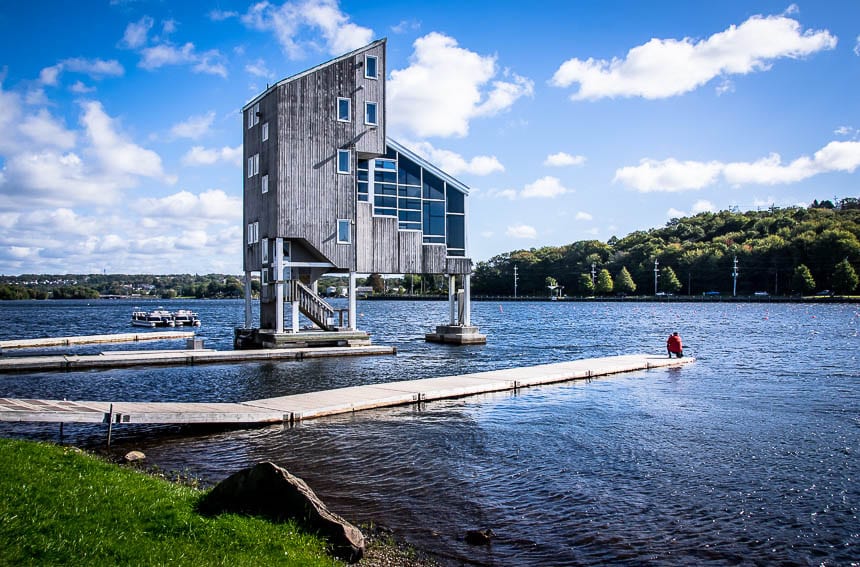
(456, 183)
(313, 69)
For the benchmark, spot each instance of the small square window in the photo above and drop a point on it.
(344, 234)
(264, 184)
(344, 161)
(344, 109)
(265, 129)
(371, 70)
(370, 114)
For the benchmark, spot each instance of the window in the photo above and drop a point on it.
(344, 234)
(254, 115)
(253, 232)
(253, 165)
(371, 70)
(344, 109)
(264, 184)
(264, 276)
(264, 251)
(265, 128)
(370, 113)
(344, 161)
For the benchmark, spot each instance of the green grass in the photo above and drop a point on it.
(60, 506)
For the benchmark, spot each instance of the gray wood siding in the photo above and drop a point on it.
(370, 140)
(457, 265)
(385, 253)
(257, 206)
(364, 238)
(410, 250)
(434, 259)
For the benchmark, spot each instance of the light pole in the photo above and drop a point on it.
(735, 277)
(656, 274)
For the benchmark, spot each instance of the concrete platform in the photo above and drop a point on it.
(456, 335)
(299, 407)
(95, 339)
(264, 338)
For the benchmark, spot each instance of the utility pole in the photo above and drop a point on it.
(735, 277)
(656, 274)
(515, 281)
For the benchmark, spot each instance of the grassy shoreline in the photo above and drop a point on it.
(62, 506)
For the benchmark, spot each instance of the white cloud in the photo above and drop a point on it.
(445, 86)
(81, 88)
(194, 127)
(221, 15)
(562, 159)
(213, 204)
(663, 68)
(165, 54)
(582, 215)
(510, 194)
(668, 175)
(455, 164)
(521, 231)
(703, 206)
(135, 35)
(44, 130)
(674, 213)
(546, 187)
(258, 69)
(671, 175)
(857, 47)
(198, 155)
(289, 20)
(405, 26)
(94, 68)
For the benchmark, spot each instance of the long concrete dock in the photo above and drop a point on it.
(124, 359)
(299, 407)
(95, 339)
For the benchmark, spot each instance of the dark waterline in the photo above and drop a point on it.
(746, 456)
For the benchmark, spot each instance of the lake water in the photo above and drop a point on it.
(749, 455)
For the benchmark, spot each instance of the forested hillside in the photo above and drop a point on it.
(779, 251)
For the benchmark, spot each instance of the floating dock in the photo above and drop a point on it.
(125, 359)
(298, 407)
(95, 339)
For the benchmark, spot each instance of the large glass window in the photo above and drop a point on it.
(456, 234)
(361, 180)
(434, 188)
(344, 161)
(456, 201)
(370, 113)
(371, 70)
(434, 218)
(344, 109)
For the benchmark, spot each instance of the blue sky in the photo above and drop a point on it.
(120, 125)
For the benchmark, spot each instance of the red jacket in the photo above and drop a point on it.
(673, 344)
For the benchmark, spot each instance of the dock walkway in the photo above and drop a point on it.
(299, 407)
(95, 339)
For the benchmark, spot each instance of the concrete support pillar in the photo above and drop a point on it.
(353, 315)
(467, 300)
(278, 278)
(248, 315)
(295, 316)
(452, 290)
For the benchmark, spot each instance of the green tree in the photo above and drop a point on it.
(376, 282)
(586, 286)
(624, 282)
(604, 283)
(845, 278)
(802, 281)
(668, 280)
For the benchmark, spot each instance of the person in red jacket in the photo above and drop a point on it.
(673, 345)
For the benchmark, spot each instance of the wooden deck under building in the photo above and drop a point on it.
(299, 407)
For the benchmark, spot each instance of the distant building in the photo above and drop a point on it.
(325, 191)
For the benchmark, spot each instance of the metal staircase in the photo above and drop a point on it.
(310, 305)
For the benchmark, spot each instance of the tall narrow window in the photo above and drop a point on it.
(371, 70)
(250, 233)
(344, 234)
(264, 251)
(250, 167)
(264, 184)
(344, 109)
(370, 114)
(265, 128)
(344, 161)
(254, 115)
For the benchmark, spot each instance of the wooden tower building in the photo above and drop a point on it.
(325, 191)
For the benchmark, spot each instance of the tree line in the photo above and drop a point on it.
(91, 286)
(779, 251)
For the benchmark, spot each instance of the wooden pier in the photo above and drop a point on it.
(95, 339)
(294, 408)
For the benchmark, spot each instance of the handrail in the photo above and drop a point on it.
(310, 305)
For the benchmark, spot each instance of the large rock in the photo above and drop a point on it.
(271, 491)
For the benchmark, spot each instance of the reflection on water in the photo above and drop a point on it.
(748, 455)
